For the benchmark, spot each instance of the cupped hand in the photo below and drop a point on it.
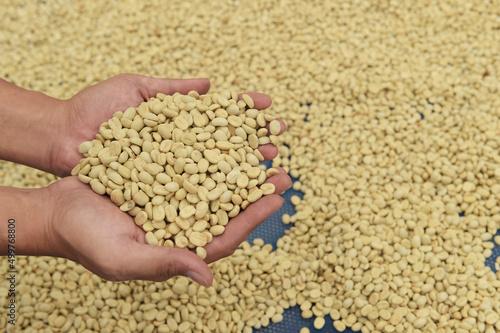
(84, 112)
(89, 229)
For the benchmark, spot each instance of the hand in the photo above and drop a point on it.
(86, 111)
(89, 229)
(106, 233)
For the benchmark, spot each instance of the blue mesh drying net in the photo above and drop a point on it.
(273, 229)
(270, 231)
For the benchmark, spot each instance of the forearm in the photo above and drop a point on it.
(24, 222)
(30, 126)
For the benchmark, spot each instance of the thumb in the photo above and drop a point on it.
(153, 86)
(158, 263)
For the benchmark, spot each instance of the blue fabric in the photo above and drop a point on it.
(270, 231)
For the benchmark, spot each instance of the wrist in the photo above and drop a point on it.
(28, 213)
(60, 148)
(52, 135)
(33, 125)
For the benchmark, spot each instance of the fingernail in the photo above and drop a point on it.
(197, 277)
(282, 204)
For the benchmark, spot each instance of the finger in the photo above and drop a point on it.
(282, 123)
(154, 86)
(158, 263)
(240, 227)
(140, 235)
(281, 181)
(281, 170)
(268, 151)
(261, 101)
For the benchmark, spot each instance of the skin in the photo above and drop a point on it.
(67, 219)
